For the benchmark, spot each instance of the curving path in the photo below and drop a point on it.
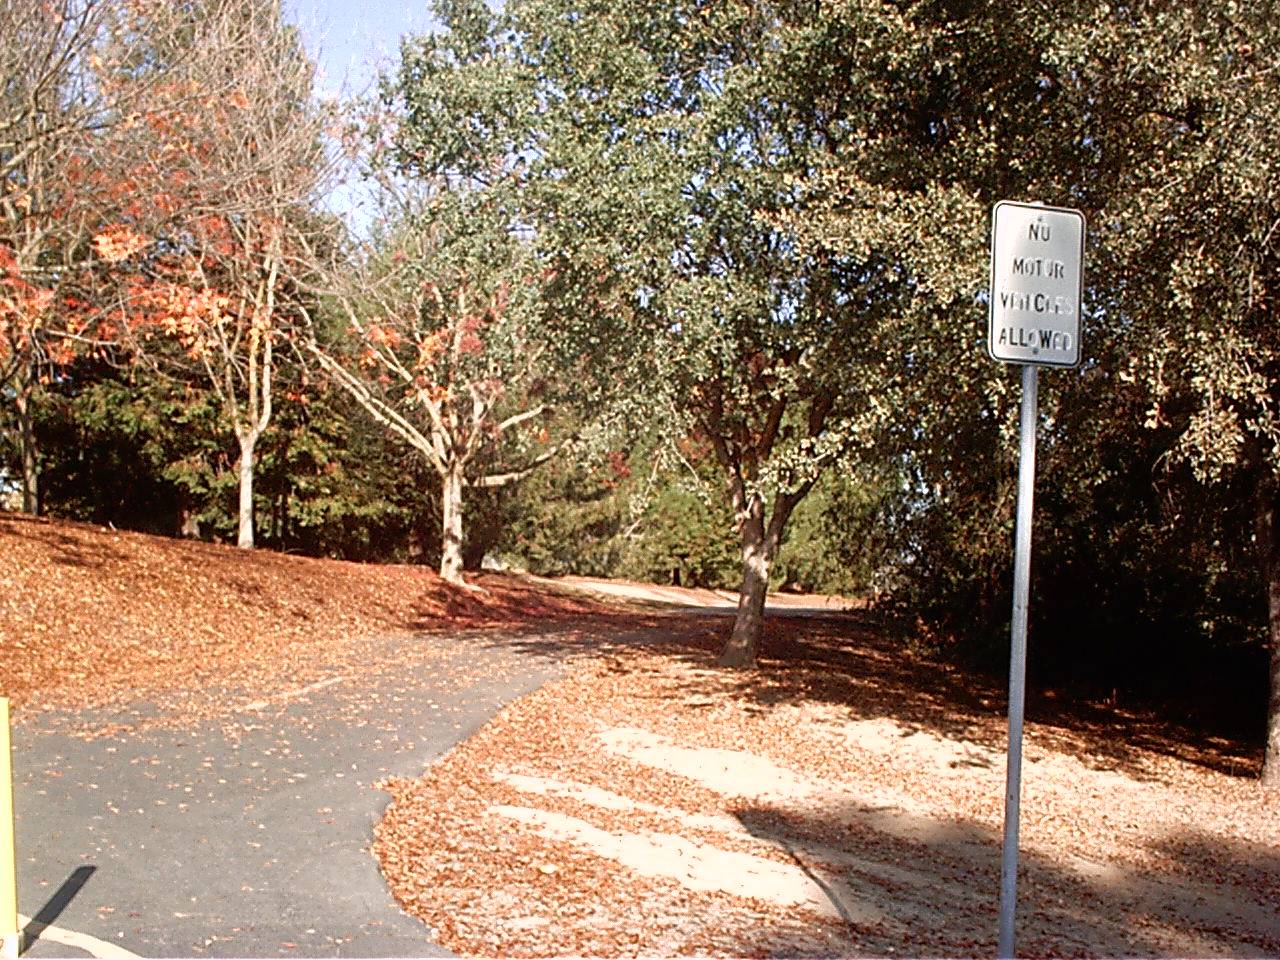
(249, 836)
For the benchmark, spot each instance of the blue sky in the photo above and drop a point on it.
(351, 39)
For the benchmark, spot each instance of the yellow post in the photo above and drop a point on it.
(10, 935)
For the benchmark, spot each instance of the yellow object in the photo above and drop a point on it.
(10, 935)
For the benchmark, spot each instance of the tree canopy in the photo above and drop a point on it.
(720, 267)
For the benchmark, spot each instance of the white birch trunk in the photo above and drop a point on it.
(451, 533)
(247, 444)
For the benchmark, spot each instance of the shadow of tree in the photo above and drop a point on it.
(491, 600)
(913, 886)
(903, 883)
(1249, 869)
(848, 660)
(66, 549)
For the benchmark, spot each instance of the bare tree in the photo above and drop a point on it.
(439, 336)
(225, 166)
(50, 108)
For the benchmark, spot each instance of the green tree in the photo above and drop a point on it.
(440, 344)
(450, 338)
(671, 142)
(786, 210)
(1185, 100)
(1153, 119)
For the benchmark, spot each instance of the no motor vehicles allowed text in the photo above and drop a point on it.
(1036, 284)
(1037, 258)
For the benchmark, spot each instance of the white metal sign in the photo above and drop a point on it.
(1037, 253)
(1037, 259)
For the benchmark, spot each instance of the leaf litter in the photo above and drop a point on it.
(649, 805)
(148, 630)
(845, 799)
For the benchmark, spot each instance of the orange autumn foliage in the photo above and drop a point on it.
(181, 312)
(23, 305)
(118, 243)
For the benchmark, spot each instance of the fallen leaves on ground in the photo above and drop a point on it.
(846, 799)
(100, 618)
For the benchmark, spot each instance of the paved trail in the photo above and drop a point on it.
(247, 838)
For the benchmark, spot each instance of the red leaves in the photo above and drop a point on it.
(618, 465)
(384, 336)
(24, 306)
(430, 348)
(189, 315)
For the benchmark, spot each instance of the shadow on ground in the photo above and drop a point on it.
(67, 550)
(923, 889)
(47, 915)
(848, 660)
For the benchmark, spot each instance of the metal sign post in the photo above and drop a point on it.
(1018, 657)
(10, 935)
(1037, 255)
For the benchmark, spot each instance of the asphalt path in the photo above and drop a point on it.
(247, 836)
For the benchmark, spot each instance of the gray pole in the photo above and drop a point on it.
(1018, 659)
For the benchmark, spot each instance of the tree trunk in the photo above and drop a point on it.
(451, 538)
(190, 527)
(247, 442)
(1267, 534)
(27, 439)
(758, 549)
(1271, 759)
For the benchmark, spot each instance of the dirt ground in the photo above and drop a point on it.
(667, 596)
(845, 800)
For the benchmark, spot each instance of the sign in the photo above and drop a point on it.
(1037, 260)
(1037, 254)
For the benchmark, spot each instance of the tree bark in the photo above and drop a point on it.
(1271, 759)
(758, 549)
(27, 437)
(1267, 534)
(247, 443)
(451, 538)
(190, 526)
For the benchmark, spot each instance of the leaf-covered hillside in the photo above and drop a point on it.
(91, 616)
